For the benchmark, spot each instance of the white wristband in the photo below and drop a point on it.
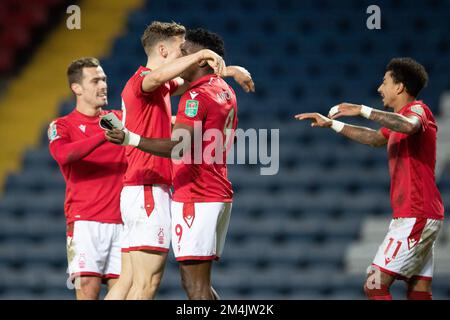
(366, 111)
(131, 139)
(337, 125)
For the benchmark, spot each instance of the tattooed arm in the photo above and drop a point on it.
(364, 135)
(391, 120)
(396, 122)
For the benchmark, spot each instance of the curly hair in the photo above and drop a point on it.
(207, 40)
(409, 72)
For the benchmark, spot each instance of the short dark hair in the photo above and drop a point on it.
(409, 72)
(207, 40)
(158, 31)
(75, 70)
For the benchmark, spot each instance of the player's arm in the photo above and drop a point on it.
(182, 87)
(239, 74)
(65, 151)
(359, 134)
(391, 120)
(172, 70)
(158, 147)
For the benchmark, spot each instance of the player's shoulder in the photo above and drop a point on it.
(419, 107)
(57, 127)
(138, 75)
(61, 121)
(195, 93)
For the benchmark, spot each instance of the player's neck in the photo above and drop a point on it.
(402, 101)
(153, 62)
(88, 110)
(200, 73)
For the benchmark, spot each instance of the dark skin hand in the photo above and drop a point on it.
(115, 136)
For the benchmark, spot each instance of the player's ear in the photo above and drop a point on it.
(202, 63)
(400, 88)
(162, 50)
(76, 88)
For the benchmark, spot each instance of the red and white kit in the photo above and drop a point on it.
(202, 198)
(93, 170)
(418, 212)
(145, 198)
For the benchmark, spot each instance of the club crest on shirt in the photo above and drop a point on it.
(191, 109)
(52, 132)
(417, 108)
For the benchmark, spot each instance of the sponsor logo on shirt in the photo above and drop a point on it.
(191, 109)
(193, 94)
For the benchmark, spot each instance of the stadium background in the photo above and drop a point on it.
(308, 232)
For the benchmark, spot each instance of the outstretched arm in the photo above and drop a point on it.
(391, 120)
(364, 135)
(359, 134)
(158, 147)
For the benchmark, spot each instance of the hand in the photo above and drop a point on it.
(318, 120)
(344, 109)
(242, 77)
(115, 136)
(215, 61)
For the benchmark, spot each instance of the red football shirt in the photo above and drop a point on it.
(148, 115)
(412, 159)
(92, 167)
(211, 102)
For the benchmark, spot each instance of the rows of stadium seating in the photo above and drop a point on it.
(292, 235)
(19, 21)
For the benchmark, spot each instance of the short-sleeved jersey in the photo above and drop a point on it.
(94, 182)
(210, 103)
(412, 161)
(147, 114)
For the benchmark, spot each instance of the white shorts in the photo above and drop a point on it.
(199, 229)
(407, 250)
(146, 217)
(93, 249)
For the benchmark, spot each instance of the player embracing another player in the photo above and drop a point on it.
(145, 198)
(202, 197)
(410, 134)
